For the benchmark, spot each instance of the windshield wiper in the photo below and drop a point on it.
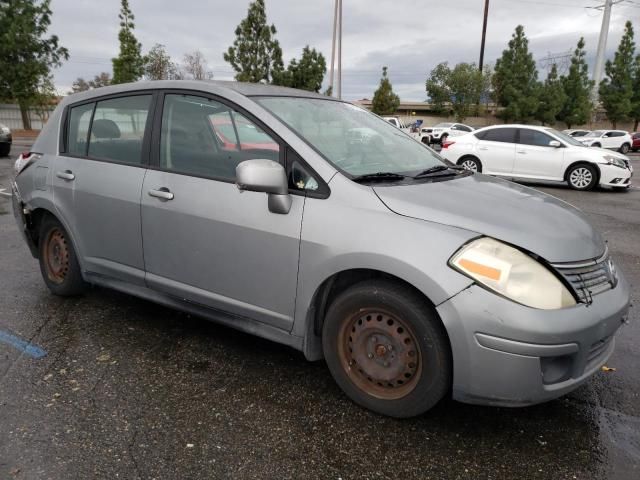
(378, 176)
(435, 169)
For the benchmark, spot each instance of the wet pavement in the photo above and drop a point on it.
(129, 389)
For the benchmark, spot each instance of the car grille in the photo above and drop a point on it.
(589, 278)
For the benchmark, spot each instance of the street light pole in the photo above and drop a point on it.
(602, 46)
(333, 47)
(484, 33)
(340, 51)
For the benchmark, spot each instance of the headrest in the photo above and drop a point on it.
(103, 128)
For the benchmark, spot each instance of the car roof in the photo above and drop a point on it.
(211, 86)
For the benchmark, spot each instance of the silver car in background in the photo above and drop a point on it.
(314, 223)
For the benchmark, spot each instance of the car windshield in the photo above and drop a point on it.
(443, 125)
(352, 139)
(565, 138)
(595, 133)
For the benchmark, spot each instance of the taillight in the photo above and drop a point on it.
(447, 144)
(24, 160)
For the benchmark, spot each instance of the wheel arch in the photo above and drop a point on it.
(330, 288)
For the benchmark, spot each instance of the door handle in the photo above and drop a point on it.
(161, 193)
(522, 152)
(483, 148)
(66, 175)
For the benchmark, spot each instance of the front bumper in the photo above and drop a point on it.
(612, 176)
(506, 354)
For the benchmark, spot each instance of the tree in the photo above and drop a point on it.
(635, 99)
(82, 85)
(256, 55)
(26, 54)
(195, 65)
(577, 88)
(515, 80)
(306, 74)
(552, 98)
(128, 66)
(438, 86)
(385, 102)
(616, 90)
(158, 65)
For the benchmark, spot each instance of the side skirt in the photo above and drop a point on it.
(236, 322)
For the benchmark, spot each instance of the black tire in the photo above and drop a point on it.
(597, 145)
(471, 163)
(443, 139)
(425, 140)
(392, 381)
(58, 261)
(624, 149)
(582, 177)
(5, 149)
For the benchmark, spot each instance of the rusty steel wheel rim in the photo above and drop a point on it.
(56, 256)
(379, 354)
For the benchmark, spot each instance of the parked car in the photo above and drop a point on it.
(442, 131)
(612, 139)
(5, 140)
(635, 146)
(539, 153)
(398, 123)
(383, 275)
(576, 133)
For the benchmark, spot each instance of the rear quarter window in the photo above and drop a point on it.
(78, 129)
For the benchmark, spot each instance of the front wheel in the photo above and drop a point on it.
(58, 261)
(625, 148)
(5, 149)
(386, 349)
(582, 177)
(471, 163)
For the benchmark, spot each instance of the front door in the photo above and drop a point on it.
(97, 181)
(535, 158)
(204, 240)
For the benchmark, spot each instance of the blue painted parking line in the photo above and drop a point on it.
(22, 345)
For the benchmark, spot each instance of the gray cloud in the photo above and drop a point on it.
(408, 36)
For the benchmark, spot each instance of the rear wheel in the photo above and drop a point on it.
(386, 349)
(582, 177)
(58, 261)
(625, 148)
(5, 148)
(597, 145)
(470, 163)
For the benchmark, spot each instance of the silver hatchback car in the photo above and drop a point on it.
(314, 223)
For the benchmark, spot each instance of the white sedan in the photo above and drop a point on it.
(614, 139)
(540, 153)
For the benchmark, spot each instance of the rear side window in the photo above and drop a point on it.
(616, 134)
(118, 127)
(505, 135)
(204, 137)
(78, 130)
(534, 137)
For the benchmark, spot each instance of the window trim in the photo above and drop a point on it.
(156, 130)
(146, 138)
(516, 136)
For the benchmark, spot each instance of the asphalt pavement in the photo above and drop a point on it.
(110, 386)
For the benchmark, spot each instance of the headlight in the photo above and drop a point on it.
(611, 160)
(5, 130)
(511, 273)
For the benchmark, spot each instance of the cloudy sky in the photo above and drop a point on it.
(409, 36)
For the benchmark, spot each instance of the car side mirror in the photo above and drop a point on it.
(265, 176)
(555, 144)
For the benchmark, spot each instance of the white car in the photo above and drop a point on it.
(613, 139)
(540, 153)
(576, 133)
(442, 131)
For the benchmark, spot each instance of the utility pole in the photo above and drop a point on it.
(337, 31)
(333, 46)
(602, 45)
(484, 33)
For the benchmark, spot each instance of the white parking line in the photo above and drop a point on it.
(3, 191)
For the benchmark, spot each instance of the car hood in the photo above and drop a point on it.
(522, 216)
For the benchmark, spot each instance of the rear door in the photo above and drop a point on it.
(205, 240)
(496, 149)
(97, 182)
(535, 158)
